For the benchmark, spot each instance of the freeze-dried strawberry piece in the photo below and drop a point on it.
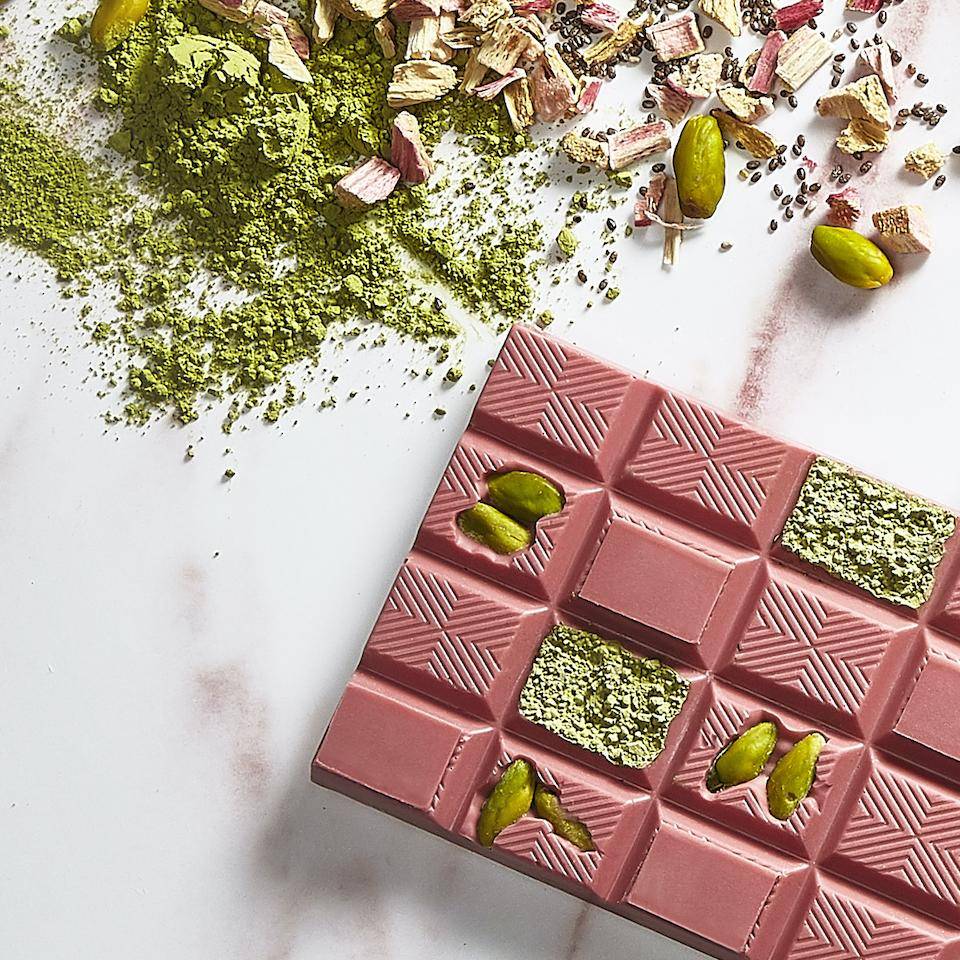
(407, 151)
(374, 180)
(797, 14)
(845, 207)
(675, 38)
(533, 6)
(762, 79)
(630, 146)
(865, 6)
(601, 15)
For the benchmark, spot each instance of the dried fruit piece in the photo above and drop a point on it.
(878, 59)
(755, 141)
(725, 12)
(797, 14)
(904, 229)
(503, 46)
(585, 150)
(925, 161)
(407, 151)
(588, 98)
(627, 147)
(745, 106)
(801, 56)
(673, 104)
(845, 207)
(863, 99)
(743, 759)
(601, 15)
(676, 37)
(518, 100)
(423, 40)
(699, 77)
(793, 776)
(403, 11)
(115, 20)
(669, 212)
(548, 807)
(491, 90)
(385, 33)
(264, 20)
(865, 6)
(555, 89)
(761, 81)
(323, 18)
(487, 525)
(508, 801)
(419, 81)
(613, 44)
(850, 257)
(485, 13)
(371, 181)
(648, 202)
(700, 167)
(862, 136)
(524, 496)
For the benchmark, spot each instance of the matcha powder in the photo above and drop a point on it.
(234, 169)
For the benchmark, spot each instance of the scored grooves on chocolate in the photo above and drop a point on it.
(668, 544)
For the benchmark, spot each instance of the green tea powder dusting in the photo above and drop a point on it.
(601, 697)
(868, 533)
(237, 260)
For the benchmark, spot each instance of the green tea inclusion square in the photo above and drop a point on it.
(869, 533)
(601, 697)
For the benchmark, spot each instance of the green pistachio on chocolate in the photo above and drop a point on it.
(487, 525)
(508, 801)
(743, 759)
(793, 776)
(548, 806)
(526, 497)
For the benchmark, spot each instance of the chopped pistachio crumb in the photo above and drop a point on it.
(599, 696)
(869, 533)
(567, 242)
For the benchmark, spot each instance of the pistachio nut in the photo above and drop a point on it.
(114, 21)
(509, 800)
(743, 759)
(547, 805)
(487, 525)
(793, 775)
(526, 497)
(850, 257)
(700, 167)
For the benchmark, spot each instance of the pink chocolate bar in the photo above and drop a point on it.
(756, 571)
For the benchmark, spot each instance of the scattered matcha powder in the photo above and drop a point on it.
(601, 697)
(237, 167)
(868, 533)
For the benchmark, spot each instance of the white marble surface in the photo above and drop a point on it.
(172, 646)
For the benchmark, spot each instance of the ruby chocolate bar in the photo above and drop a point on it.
(674, 666)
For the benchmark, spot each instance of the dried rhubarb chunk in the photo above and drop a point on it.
(903, 229)
(676, 37)
(761, 81)
(491, 90)
(865, 6)
(323, 18)
(588, 97)
(801, 56)
(403, 11)
(796, 15)
(649, 201)
(555, 88)
(419, 81)
(485, 13)
(518, 99)
(601, 15)
(372, 181)
(407, 151)
(630, 146)
(610, 47)
(673, 104)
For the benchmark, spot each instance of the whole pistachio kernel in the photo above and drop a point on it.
(114, 21)
(700, 167)
(487, 525)
(850, 257)
(527, 497)
(508, 801)
(547, 804)
(743, 759)
(793, 776)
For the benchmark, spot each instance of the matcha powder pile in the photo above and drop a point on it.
(236, 168)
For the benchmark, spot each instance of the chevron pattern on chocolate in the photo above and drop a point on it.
(907, 832)
(569, 400)
(952, 608)
(459, 486)
(692, 452)
(456, 636)
(838, 928)
(720, 725)
(798, 640)
(533, 561)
